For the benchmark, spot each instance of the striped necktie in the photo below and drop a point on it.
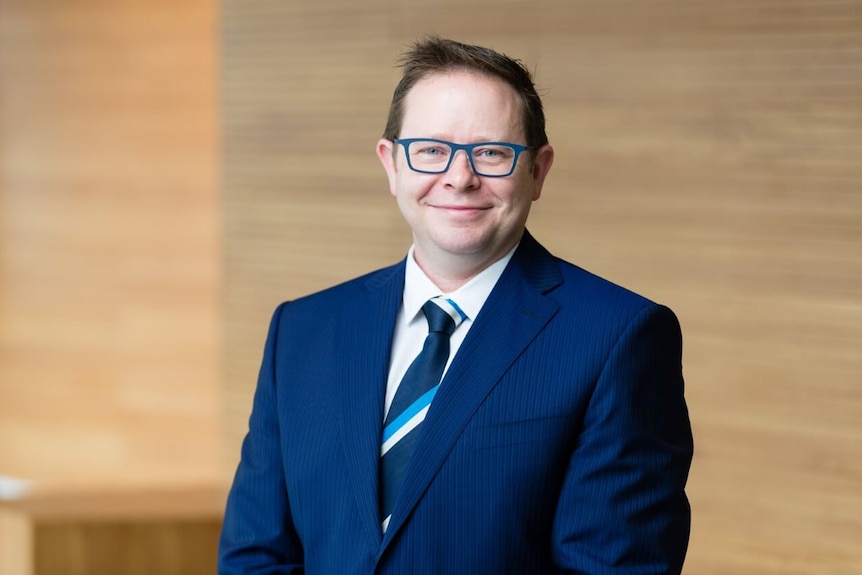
(412, 399)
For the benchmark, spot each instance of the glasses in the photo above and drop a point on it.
(489, 159)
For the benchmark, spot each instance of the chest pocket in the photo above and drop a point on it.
(545, 430)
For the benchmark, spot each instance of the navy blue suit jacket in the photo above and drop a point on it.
(559, 441)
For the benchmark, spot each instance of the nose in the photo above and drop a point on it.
(460, 174)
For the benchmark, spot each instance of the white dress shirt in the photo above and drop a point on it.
(411, 328)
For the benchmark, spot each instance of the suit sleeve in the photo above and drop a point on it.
(623, 508)
(258, 536)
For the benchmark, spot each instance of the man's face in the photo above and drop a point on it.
(458, 214)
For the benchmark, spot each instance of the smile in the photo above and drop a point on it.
(462, 209)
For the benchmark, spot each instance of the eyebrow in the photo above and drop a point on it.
(475, 141)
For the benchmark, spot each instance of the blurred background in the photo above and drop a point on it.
(172, 170)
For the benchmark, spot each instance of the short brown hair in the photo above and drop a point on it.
(434, 54)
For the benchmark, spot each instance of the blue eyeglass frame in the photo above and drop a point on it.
(468, 149)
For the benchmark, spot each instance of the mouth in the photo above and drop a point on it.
(462, 209)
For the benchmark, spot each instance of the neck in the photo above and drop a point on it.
(449, 272)
(448, 282)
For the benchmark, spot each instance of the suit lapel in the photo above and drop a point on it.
(366, 340)
(514, 314)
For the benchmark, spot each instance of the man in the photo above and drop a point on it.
(558, 440)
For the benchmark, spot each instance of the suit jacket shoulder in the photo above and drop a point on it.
(575, 289)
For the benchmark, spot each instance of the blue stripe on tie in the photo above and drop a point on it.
(458, 309)
(417, 406)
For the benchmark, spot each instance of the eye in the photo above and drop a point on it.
(488, 153)
(492, 153)
(432, 150)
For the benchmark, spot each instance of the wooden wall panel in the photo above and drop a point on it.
(709, 155)
(130, 548)
(109, 242)
(112, 530)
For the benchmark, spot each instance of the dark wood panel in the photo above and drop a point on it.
(132, 548)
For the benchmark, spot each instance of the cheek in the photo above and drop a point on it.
(407, 198)
(401, 189)
(519, 196)
(526, 190)
(410, 186)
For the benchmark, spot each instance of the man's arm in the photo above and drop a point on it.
(623, 508)
(258, 536)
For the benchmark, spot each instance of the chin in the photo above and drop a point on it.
(453, 238)
(467, 244)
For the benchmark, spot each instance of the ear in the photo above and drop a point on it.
(386, 155)
(541, 166)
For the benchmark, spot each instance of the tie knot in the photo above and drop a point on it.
(443, 315)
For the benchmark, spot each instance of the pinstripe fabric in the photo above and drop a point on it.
(560, 442)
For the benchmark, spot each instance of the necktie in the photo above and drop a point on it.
(411, 401)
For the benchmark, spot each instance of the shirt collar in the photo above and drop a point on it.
(470, 297)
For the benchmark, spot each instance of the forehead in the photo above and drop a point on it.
(462, 104)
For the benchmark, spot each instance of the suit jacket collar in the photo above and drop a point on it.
(364, 369)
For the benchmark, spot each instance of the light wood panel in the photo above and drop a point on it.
(708, 156)
(109, 252)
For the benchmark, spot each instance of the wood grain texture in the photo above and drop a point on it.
(168, 547)
(16, 544)
(119, 503)
(709, 155)
(108, 242)
(112, 530)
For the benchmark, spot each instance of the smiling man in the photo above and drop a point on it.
(481, 406)
(462, 221)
